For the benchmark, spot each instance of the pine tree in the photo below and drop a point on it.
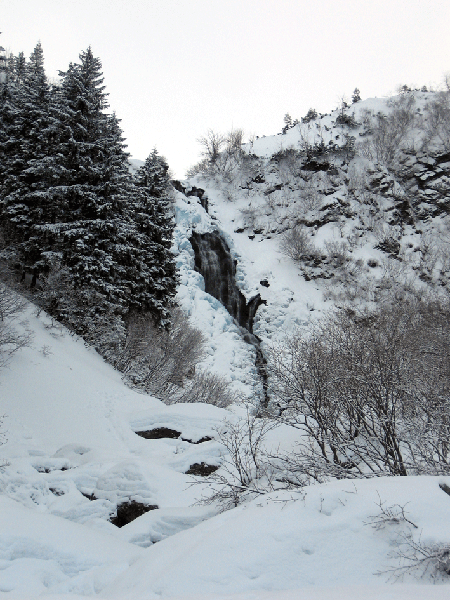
(116, 234)
(29, 167)
(356, 97)
(155, 220)
(93, 192)
(287, 123)
(73, 212)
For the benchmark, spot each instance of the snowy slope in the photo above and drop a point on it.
(69, 423)
(320, 537)
(54, 540)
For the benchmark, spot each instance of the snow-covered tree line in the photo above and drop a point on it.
(91, 238)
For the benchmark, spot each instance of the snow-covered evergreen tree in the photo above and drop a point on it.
(70, 208)
(31, 143)
(115, 236)
(155, 220)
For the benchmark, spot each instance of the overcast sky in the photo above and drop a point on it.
(174, 68)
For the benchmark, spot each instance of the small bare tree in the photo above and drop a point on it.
(212, 144)
(388, 132)
(234, 141)
(206, 387)
(245, 471)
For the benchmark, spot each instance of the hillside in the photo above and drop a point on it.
(74, 456)
(104, 490)
(363, 212)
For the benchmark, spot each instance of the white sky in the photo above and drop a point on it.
(174, 68)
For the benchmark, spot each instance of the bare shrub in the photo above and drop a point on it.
(222, 155)
(403, 111)
(206, 387)
(385, 142)
(297, 244)
(245, 471)
(430, 253)
(414, 557)
(83, 310)
(337, 251)
(420, 559)
(310, 198)
(12, 305)
(389, 515)
(289, 162)
(388, 132)
(437, 124)
(369, 391)
(11, 340)
(159, 360)
(388, 237)
(200, 168)
(250, 215)
(358, 183)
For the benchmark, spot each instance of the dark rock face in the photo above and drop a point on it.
(165, 433)
(427, 177)
(201, 469)
(315, 166)
(191, 191)
(90, 497)
(206, 438)
(129, 511)
(159, 433)
(214, 261)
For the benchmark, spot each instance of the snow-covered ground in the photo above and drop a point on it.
(70, 427)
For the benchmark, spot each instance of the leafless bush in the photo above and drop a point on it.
(245, 471)
(388, 237)
(430, 253)
(206, 387)
(369, 391)
(414, 556)
(437, 124)
(310, 198)
(358, 184)
(388, 132)
(11, 340)
(250, 216)
(297, 244)
(81, 309)
(222, 155)
(420, 559)
(403, 111)
(203, 167)
(289, 163)
(159, 360)
(389, 515)
(337, 251)
(384, 144)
